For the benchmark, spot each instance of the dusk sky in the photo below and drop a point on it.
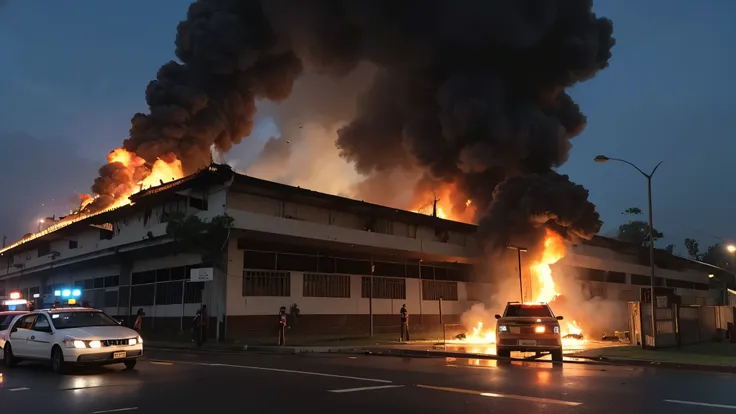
(74, 72)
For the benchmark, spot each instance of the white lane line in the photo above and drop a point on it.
(286, 371)
(507, 396)
(18, 389)
(117, 410)
(380, 387)
(701, 404)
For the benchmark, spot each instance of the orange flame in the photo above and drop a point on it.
(545, 290)
(446, 209)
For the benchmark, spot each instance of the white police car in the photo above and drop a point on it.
(71, 336)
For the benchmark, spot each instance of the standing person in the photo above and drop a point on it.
(404, 323)
(282, 326)
(205, 320)
(138, 325)
(197, 328)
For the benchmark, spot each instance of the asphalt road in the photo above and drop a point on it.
(184, 382)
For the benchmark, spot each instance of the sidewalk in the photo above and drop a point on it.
(711, 356)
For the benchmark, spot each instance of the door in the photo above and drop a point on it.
(40, 338)
(19, 335)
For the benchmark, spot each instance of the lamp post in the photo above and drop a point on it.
(603, 158)
(521, 279)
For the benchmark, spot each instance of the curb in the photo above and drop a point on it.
(670, 365)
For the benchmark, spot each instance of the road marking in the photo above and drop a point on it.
(507, 396)
(19, 389)
(117, 410)
(286, 371)
(731, 407)
(162, 363)
(379, 387)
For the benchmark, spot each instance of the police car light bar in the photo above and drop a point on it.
(14, 295)
(68, 292)
(11, 302)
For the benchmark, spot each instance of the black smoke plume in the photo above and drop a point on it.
(471, 92)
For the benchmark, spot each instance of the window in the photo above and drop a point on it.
(111, 299)
(427, 272)
(384, 288)
(198, 203)
(169, 293)
(42, 324)
(73, 244)
(89, 284)
(163, 275)
(141, 295)
(326, 265)
(259, 260)
(67, 320)
(99, 282)
(353, 267)
(326, 286)
(193, 292)
(434, 290)
(140, 278)
(105, 234)
(595, 275)
(44, 249)
(616, 277)
(179, 273)
(112, 281)
(123, 296)
(79, 284)
(527, 311)
(389, 269)
(640, 280)
(26, 322)
(297, 262)
(266, 283)
(679, 284)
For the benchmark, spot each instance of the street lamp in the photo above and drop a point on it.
(521, 279)
(731, 248)
(603, 158)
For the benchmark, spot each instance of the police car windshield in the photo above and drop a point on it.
(5, 321)
(77, 319)
(528, 311)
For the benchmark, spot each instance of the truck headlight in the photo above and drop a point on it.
(503, 328)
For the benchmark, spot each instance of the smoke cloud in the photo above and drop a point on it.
(468, 93)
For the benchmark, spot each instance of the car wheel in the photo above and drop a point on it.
(504, 353)
(557, 355)
(129, 365)
(57, 361)
(8, 358)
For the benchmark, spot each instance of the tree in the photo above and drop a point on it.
(670, 249)
(636, 231)
(205, 237)
(693, 249)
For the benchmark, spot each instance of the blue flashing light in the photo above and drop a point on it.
(66, 293)
(57, 293)
(76, 293)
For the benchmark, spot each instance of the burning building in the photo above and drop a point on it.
(292, 246)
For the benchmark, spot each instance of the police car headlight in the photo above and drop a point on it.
(95, 344)
(74, 343)
(503, 328)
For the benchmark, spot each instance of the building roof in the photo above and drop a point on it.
(217, 174)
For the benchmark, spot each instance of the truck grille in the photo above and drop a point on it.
(115, 342)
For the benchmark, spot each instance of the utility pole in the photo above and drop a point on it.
(521, 278)
(5, 238)
(435, 200)
(370, 297)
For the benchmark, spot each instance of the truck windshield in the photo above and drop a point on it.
(528, 311)
(66, 320)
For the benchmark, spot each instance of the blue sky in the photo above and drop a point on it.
(74, 72)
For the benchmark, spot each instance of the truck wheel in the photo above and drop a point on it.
(129, 365)
(557, 355)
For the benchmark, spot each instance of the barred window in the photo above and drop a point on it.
(326, 285)
(435, 289)
(384, 288)
(266, 283)
(169, 293)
